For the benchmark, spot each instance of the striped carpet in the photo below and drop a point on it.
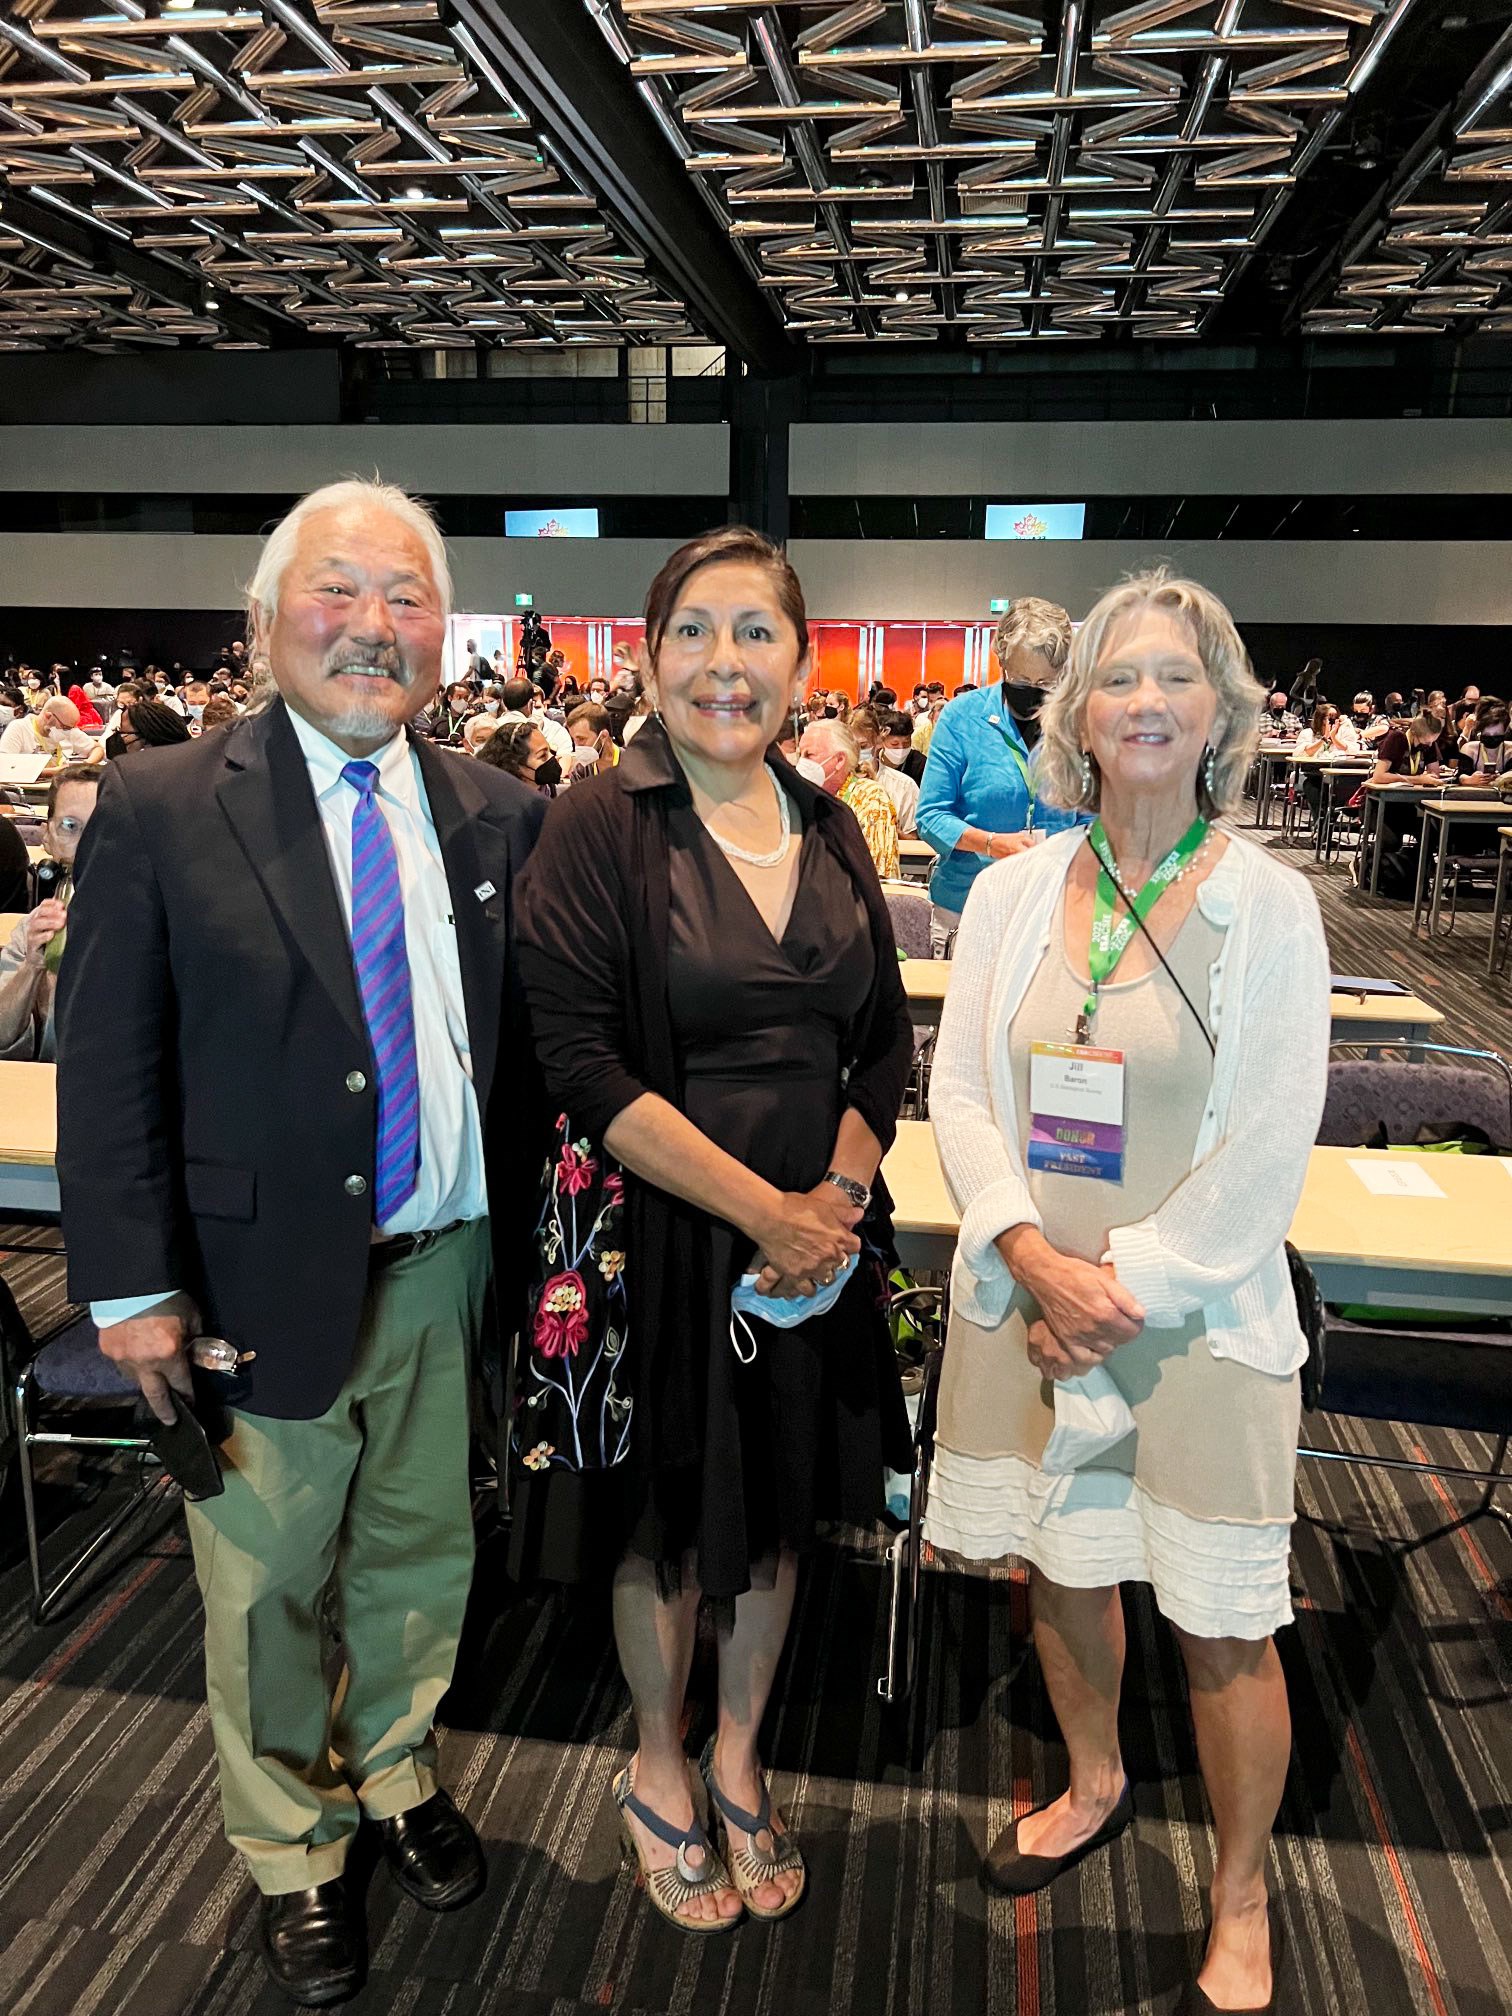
(1391, 1860)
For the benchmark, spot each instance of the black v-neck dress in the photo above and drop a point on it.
(799, 1436)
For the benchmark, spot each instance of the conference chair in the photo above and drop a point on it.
(910, 911)
(59, 1385)
(906, 1583)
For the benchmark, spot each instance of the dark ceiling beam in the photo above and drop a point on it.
(587, 106)
(163, 279)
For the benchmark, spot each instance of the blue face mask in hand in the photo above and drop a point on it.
(786, 1312)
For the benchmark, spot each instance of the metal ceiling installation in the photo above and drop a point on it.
(1436, 254)
(891, 171)
(349, 167)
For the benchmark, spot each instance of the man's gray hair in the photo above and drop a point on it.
(363, 492)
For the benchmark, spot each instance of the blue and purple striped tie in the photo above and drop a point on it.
(383, 980)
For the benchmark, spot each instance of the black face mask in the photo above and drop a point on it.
(1491, 736)
(114, 746)
(548, 774)
(1362, 716)
(1024, 704)
(832, 713)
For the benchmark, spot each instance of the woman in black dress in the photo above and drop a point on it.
(717, 1006)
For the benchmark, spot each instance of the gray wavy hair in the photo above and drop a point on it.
(364, 492)
(1035, 625)
(831, 735)
(1236, 729)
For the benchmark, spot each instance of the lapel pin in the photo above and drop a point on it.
(484, 890)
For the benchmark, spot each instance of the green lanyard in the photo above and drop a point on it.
(1018, 756)
(1109, 938)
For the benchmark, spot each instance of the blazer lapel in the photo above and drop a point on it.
(265, 793)
(477, 874)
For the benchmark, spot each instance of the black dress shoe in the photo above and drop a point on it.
(1006, 1868)
(315, 1944)
(1195, 2001)
(434, 1854)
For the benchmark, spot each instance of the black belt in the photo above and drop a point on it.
(402, 1245)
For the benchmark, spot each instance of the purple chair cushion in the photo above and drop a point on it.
(72, 1367)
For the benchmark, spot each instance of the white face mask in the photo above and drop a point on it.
(895, 756)
(814, 772)
(583, 755)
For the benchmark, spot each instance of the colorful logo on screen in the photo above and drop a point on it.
(1030, 526)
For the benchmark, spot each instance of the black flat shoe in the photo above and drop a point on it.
(1195, 2001)
(434, 1854)
(315, 1944)
(1005, 1868)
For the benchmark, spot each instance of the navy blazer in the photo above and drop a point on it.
(216, 1087)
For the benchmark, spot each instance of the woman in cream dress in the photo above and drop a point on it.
(1119, 1399)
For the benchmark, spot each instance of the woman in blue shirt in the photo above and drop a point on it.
(977, 802)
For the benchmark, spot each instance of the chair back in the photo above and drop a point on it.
(910, 921)
(1364, 1093)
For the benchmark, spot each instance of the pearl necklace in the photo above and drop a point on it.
(744, 853)
(1129, 894)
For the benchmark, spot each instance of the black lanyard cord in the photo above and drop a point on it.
(1206, 1033)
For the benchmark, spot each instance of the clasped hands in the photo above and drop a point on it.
(1085, 1312)
(805, 1241)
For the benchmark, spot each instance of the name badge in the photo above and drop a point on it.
(1076, 1111)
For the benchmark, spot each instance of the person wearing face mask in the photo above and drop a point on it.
(598, 691)
(895, 750)
(522, 703)
(52, 731)
(520, 748)
(1485, 754)
(978, 801)
(831, 745)
(593, 749)
(715, 996)
(1367, 721)
(866, 728)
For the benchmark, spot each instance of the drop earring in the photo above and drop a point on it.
(1208, 763)
(1086, 776)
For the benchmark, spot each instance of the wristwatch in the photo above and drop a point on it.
(858, 1193)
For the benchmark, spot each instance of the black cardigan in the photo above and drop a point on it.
(592, 942)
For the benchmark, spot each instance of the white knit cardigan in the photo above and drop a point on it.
(1217, 1243)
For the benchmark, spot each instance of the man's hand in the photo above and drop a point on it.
(154, 1351)
(42, 926)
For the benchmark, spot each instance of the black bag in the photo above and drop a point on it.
(1311, 1317)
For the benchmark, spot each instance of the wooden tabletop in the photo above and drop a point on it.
(929, 980)
(9, 919)
(916, 850)
(36, 854)
(1463, 808)
(1338, 1219)
(28, 1114)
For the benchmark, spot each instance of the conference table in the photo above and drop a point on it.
(28, 1137)
(1379, 1228)
(1357, 1017)
(9, 919)
(1271, 756)
(1437, 792)
(1487, 812)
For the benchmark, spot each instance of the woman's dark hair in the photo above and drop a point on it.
(1488, 710)
(730, 542)
(508, 748)
(156, 726)
(1320, 715)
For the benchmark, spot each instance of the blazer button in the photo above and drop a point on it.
(355, 1186)
(356, 1081)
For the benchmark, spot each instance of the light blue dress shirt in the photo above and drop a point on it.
(974, 776)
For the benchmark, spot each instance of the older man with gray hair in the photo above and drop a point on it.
(831, 749)
(52, 731)
(278, 1201)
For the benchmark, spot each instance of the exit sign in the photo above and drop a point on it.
(528, 602)
(999, 606)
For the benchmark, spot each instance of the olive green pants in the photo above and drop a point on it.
(335, 1570)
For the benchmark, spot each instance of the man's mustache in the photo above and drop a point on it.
(385, 661)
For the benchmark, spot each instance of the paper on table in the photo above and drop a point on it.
(1395, 1177)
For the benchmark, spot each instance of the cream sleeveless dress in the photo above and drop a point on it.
(1198, 1499)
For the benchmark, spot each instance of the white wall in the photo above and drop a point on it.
(1263, 581)
(153, 570)
(617, 461)
(1026, 462)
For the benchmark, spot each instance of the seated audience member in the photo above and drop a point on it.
(1327, 734)
(1277, 720)
(895, 748)
(29, 962)
(918, 701)
(85, 708)
(900, 788)
(477, 730)
(1394, 707)
(451, 714)
(15, 865)
(196, 698)
(598, 689)
(149, 724)
(1483, 756)
(97, 686)
(220, 712)
(52, 731)
(162, 691)
(1413, 750)
(12, 705)
(520, 704)
(593, 749)
(34, 687)
(831, 745)
(521, 748)
(1368, 722)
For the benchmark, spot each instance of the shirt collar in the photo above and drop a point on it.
(396, 771)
